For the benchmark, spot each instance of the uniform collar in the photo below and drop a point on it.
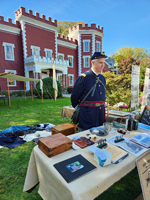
(94, 71)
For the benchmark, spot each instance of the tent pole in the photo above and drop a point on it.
(24, 90)
(8, 92)
(31, 91)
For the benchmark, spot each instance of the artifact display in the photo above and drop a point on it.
(66, 129)
(56, 144)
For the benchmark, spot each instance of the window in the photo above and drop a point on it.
(59, 78)
(35, 51)
(11, 82)
(9, 51)
(61, 56)
(98, 46)
(86, 61)
(48, 53)
(45, 74)
(86, 45)
(70, 79)
(70, 59)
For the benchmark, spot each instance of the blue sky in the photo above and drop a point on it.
(125, 22)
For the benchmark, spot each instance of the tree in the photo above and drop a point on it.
(124, 52)
(125, 66)
(63, 26)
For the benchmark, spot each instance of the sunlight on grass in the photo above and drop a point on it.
(14, 163)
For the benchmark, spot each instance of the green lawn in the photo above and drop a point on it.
(14, 163)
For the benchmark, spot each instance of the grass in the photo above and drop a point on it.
(14, 163)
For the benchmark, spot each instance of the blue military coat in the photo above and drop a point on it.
(90, 116)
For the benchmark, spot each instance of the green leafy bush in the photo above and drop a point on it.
(48, 92)
(28, 93)
(69, 90)
(4, 92)
(19, 93)
(118, 88)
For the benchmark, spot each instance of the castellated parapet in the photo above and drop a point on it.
(9, 22)
(66, 39)
(85, 27)
(21, 11)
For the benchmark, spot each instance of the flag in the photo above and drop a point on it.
(41, 85)
(55, 87)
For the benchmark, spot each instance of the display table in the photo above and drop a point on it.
(3, 98)
(67, 111)
(52, 186)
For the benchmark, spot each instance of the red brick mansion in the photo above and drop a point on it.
(27, 48)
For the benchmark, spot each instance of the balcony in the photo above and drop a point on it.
(46, 61)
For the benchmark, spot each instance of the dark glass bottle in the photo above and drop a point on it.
(130, 123)
(135, 124)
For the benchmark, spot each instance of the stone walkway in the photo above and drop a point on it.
(66, 95)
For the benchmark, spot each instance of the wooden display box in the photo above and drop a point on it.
(56, 144)
(66, 129)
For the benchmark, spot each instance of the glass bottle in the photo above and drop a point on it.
(130, 123)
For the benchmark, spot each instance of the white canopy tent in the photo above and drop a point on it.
(10, 76)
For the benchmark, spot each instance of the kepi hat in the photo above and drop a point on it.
(97, 55)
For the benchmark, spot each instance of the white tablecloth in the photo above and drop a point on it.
(52, 186)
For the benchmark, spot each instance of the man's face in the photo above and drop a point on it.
(98, 65)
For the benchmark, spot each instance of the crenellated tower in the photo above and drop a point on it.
(89, 40)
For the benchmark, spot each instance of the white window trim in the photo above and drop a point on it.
(13, 46)
(14, 72)
(72, 60)
(32, 47)
(99, 45)
(84, 45)
(72, 79)
(48, 50)
(84, 61)
(61, 54)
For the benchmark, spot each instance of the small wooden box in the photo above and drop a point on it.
(66, 129)
(56, 144)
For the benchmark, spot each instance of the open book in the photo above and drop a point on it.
(117, 154)
(142, 139)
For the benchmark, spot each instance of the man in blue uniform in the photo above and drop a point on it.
(92, 111)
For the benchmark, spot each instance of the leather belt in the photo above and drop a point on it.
(92, 104)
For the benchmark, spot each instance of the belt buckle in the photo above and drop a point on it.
(97, 104)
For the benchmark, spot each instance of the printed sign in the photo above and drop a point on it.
(148, 98)
(145, 92)
(143, 165)
(135, 88)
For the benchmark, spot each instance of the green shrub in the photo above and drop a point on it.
(118, 88)
(28, 93)
(4, 92)
(48, 92)
(69, 90)
(19, 93)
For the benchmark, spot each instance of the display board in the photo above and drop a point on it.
(145, 118)
(145, 91)
(135, 87)
(143, 166)
(148, 97)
